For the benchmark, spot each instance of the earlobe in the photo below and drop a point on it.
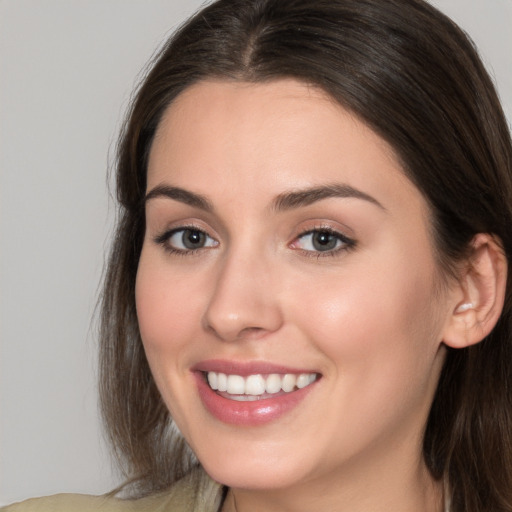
(478, 299)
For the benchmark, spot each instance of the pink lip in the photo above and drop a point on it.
(252, 413)
(245, 368)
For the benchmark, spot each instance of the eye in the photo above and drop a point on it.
(322, 240)
(186, 239)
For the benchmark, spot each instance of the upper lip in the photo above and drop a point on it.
(245, 368)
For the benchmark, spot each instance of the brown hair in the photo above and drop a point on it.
(415, 78)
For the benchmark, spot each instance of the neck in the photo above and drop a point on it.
(401, 490)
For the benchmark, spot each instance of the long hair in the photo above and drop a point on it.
(415, 78)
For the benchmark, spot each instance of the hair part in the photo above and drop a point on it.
(415, 78)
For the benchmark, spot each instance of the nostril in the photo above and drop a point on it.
(245, 333)
(241, 310)
(251, 333)
(251, 329)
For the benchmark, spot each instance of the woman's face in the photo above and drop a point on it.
(287, 260)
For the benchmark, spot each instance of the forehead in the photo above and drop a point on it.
(281, 134)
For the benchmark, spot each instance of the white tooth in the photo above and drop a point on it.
(312, 377)
(244, 398)
(302, 380)
(289, 381)
(273, 383)
(255, 385)
(236, 385)
(212, 380)
(222, 382)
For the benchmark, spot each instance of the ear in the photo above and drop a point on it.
(477, 299)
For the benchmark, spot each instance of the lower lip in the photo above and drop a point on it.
(252, 413)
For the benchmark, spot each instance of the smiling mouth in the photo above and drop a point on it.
(257, 386)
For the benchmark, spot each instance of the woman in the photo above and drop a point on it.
(310, 269)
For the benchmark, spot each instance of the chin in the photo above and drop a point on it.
(260, 476)
(253, 468)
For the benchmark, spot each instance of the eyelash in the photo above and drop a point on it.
(165, 237)
(346, 242)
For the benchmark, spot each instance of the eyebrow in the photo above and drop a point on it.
(298, 198)
(285, 201)
(181, 195)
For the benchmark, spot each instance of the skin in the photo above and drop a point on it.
(369, 318)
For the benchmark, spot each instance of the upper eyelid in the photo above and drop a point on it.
(326, 229)
(320, 225)
(344, 232)
(163, 239)
(167, 233)
(301, 233)
(331, 231)
(170, 227)
(348, 242)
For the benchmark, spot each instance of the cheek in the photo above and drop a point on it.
(166, 311)
(378, 327)
(380, 350)
(169, 319)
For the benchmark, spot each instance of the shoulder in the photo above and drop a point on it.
(66, 502)
(194, 493)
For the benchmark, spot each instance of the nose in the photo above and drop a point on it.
(245, 300)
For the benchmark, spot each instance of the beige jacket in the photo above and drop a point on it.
(194, 493)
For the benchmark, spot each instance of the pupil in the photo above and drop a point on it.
(324, 241)
(193, 239)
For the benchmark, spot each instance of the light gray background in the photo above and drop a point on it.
(66, 72)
